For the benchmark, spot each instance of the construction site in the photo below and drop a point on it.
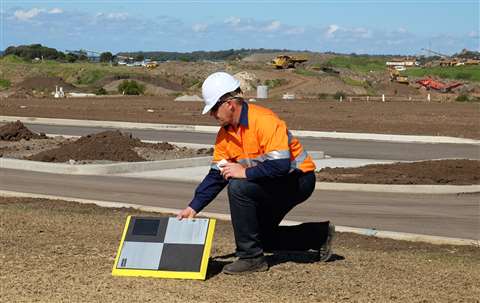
(395, 139)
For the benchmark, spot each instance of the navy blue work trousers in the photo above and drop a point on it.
(257, 208)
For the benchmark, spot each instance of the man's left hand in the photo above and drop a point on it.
(233, 170)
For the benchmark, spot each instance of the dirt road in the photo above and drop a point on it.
(55, 251)
(436, 119)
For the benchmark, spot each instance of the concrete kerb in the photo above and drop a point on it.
(362, 231)
(214, 129)
(102, 169)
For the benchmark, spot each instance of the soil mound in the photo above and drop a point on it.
(44, 83)
(108, 145)
(16, 131)
(454, 172)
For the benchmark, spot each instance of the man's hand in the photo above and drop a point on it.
(187, 213)
(233, 170)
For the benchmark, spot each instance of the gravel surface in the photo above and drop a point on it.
(57, 251)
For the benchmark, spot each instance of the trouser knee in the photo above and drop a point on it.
(241, 189)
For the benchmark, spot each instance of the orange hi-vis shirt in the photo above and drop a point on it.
(261, 137)
(262, 143)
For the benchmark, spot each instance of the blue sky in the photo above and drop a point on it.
(375, 27)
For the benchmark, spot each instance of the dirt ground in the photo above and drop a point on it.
(412, 118)
(452, 172)
(57, 251)
(107, 146)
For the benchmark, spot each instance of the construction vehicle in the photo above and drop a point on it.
(286, 61)
(396, 76)
(151, 65)
(430, 83)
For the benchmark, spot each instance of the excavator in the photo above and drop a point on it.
(286, 61)
(395, 76)
(430, 83)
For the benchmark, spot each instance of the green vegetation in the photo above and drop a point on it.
(230, 54)
(275, 83)
(353, 82)
(470, 73)
(339, 94)
(90, 76)
(306, 72)
(33, 51)
(131, 88)
(100, 91)
(467, 98)
(362, 64)
(4, 84)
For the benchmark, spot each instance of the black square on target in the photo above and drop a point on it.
(181, 257)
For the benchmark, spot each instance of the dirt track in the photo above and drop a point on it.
(55, 251)
(436, 119)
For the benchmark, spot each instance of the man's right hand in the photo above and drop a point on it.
(187, 213)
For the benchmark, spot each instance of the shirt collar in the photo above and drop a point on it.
(243, 116)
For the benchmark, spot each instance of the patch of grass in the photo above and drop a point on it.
(12, 59)
(131, 88)
(90, 76)
(5, 84)
(358, 63)
(471, 73)
(306, 72)
(275, 83)
(353, 82)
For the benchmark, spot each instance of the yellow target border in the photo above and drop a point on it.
(200, 275)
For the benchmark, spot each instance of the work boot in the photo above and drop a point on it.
(325, 251)
(245, 266)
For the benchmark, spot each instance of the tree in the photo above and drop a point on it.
(106, 57)
(71, 57)
(139, 57)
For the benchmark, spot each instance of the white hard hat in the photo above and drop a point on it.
(215, 86)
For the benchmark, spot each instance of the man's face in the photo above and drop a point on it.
(223, 112)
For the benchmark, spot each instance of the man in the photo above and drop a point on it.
(267, 171)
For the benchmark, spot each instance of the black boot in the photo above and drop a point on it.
(245, 266)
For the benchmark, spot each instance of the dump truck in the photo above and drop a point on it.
(286, 61)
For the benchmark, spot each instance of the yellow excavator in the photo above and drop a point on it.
(395, 76)
(286, 61)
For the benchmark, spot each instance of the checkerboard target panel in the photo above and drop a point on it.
(164, 247)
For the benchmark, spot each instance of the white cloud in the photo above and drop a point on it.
(27, 14)
(473, 34)
(233, 21)
(332, 28)
(273, 26)
(55, 10)
(199, 27)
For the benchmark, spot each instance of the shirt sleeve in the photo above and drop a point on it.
(208, 189)
(213, 183)
(273, 138)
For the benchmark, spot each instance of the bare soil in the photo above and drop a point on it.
(103, 146)
(57, 251)
(452, 172)
(409, 118)
(16, 131)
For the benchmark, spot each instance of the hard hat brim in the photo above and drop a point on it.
(207, 108)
